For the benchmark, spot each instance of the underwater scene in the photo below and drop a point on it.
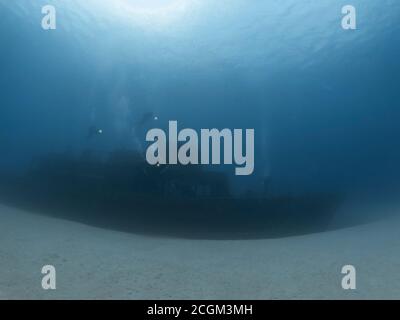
(158, 149)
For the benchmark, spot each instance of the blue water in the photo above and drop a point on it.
(324, 101)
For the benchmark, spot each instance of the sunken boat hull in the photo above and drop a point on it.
(125, 194)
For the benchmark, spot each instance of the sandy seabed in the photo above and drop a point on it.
(93, 263)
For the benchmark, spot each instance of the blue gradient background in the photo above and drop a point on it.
(324, 101)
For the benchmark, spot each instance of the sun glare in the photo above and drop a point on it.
(153, 12)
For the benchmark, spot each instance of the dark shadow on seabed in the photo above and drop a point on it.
(125, 193)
